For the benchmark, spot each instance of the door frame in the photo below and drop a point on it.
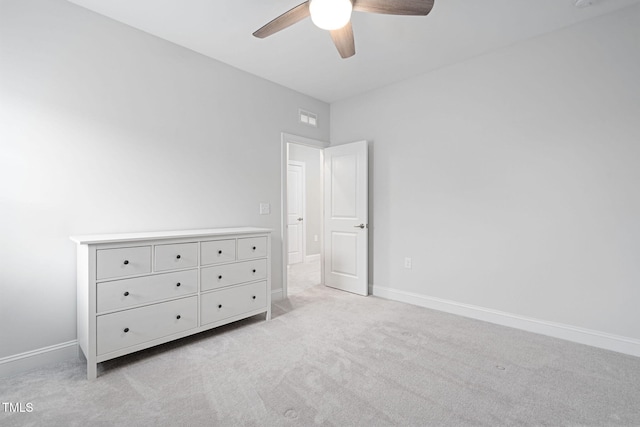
(303, 246)
(286, 139)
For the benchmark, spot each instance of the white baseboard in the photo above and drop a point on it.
(29, 360)
(311, 258)
(277, 294)
(590, 337)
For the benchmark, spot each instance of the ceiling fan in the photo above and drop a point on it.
(335, 16)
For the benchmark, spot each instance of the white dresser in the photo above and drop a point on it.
(139, 290)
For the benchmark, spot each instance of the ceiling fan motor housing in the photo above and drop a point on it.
(330, 14)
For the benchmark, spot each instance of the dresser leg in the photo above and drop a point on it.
(92, 371)
(268, 315)
(92, 366)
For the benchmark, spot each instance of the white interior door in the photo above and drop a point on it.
(295, 211)
(346, 217)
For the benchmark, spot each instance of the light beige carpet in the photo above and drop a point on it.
(302, 276)
(332, 358)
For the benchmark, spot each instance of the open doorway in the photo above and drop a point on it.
(324, 215)
(302, 203)
(304, 217)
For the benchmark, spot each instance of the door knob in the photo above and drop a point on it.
(359, 226)
(299, 219)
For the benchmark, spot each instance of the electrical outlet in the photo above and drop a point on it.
(407, 262)
(265, 208)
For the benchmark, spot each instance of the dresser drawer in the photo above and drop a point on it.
(252, 247)
(123, 262)
(225, 303)
(125, 293)
(137, 325)
(231, 274)
(176, 256)
(217, 251)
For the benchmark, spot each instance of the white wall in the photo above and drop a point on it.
(313, 197)
(512, 179)
(104, 129)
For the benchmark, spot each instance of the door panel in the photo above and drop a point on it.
(346, 217)
(344, 256)
(344, 185)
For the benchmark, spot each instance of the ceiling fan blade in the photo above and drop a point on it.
(285, 20)
(396, 7)
(343, 39)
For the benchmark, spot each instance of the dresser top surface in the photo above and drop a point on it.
(175, 234)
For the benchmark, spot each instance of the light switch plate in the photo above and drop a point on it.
(265, 208)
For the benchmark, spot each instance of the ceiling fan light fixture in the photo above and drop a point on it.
(330, 14)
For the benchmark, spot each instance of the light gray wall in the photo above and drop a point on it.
(313, 201)
(107, 129)
(512, 178)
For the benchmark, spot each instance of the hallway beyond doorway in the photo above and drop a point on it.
(303, 276)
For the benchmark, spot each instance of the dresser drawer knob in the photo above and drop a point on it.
(253, 297)
(178, 256)
(126, 330)
(254, 270)
(254, 248)
(220, 252)
(126, 261)
(126, 294)
(178, 317)
(219, 305)
(219, 277)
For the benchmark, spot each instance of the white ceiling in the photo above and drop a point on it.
(388, 48)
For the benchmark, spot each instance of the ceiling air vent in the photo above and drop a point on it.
(308, 118)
